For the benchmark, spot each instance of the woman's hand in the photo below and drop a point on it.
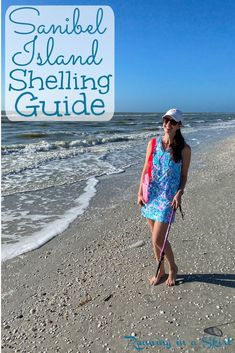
(140, 200)
(176, 202)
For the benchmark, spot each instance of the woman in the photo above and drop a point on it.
(170, 163)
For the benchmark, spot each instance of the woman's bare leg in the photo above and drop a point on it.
(156, 253)
(158, 235)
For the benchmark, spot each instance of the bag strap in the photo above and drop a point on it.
(150, 161)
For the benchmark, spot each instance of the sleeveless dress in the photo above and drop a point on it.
(163, 186)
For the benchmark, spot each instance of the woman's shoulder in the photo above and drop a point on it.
(186, 151)
(187, 148)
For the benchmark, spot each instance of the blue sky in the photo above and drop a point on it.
(170, 53)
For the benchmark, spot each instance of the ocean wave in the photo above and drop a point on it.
(32, 135)
(47, 146)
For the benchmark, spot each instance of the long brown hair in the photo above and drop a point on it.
(177, 146)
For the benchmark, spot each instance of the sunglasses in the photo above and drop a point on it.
(172, 122)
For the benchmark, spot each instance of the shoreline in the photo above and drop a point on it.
(82, 291)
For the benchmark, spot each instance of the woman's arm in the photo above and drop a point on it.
(186, 157)
(145, 168)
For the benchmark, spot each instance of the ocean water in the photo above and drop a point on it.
(50, 170)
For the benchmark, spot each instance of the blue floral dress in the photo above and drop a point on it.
(164, 184)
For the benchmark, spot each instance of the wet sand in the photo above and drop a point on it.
(87, 289)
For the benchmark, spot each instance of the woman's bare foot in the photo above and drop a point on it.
(157, 279)
(172, 276)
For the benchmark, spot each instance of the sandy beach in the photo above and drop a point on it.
(87, 290)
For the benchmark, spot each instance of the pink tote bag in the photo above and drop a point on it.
(148, 175)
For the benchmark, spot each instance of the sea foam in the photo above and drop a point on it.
(37, 239)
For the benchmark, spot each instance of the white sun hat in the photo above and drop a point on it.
(176, 114)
